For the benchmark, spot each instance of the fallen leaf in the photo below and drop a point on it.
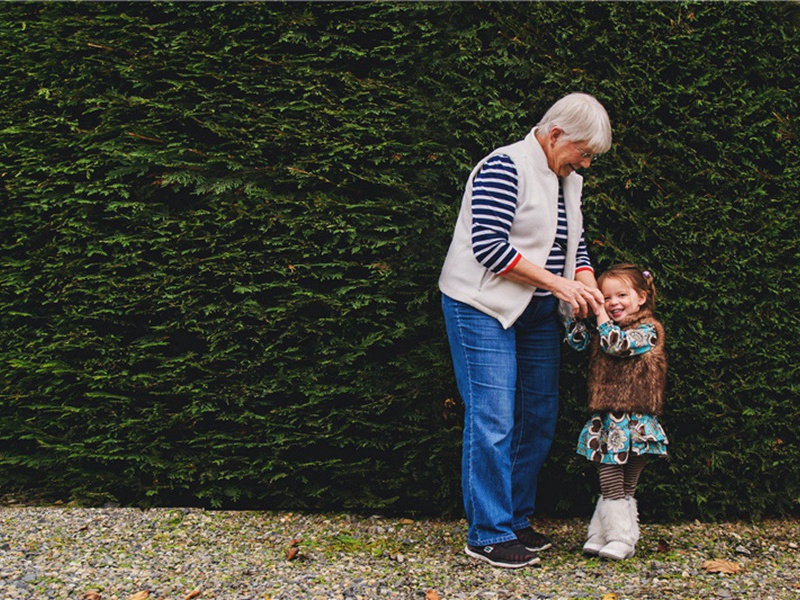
(193, 594)
(295, 542)
(610, 596)
(721, 566)
(292, 552)
(663, 546)
(140, 595)
(92, 595)
(406, 521)
(432, 595)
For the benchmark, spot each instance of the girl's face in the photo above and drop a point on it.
(621, 299)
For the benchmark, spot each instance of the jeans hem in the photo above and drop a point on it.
(498, 540)
(516, 526)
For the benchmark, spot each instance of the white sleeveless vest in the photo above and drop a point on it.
(532, 233)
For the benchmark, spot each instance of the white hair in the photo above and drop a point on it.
(582, 118)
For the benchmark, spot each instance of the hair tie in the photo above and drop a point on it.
(647, 274)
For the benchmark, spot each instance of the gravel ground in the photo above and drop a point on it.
(126, 554)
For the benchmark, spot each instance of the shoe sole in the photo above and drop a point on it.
(532, 549)
(609, 556)
(534, 561)
(592, 550)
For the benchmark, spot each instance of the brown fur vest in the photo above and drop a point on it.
(629, 384)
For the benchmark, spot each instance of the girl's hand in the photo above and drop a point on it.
(602, 315)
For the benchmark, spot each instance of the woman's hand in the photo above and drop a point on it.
(582, 293)
(585, 300)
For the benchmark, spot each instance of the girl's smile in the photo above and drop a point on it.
(621, 299)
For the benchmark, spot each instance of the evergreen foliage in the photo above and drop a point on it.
(223, 224)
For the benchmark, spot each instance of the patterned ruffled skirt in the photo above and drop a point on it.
(610, 438)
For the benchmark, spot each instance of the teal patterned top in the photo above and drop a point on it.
(613, 339)
(610, 438)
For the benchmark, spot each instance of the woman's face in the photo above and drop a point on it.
(565, 156)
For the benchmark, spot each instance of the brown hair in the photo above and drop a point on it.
(641, 281)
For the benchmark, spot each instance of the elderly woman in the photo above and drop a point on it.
(517, 262)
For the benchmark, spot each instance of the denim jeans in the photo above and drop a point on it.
(508, 379)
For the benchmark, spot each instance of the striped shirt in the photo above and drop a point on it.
(494, 204)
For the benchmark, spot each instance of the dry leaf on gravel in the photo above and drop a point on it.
(193, 594)
(92, 595)
(292, 553)
(140, 595)
(721, 566)
(610, 596)
(432, 595)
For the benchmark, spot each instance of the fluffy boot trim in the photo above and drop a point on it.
(620, 529)
(633, 506)
(596, 538)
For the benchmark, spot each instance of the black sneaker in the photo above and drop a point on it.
(509, 555)
(532, 540)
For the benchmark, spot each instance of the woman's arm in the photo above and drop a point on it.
(493, 209)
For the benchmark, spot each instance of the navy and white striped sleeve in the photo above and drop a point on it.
(582, 260)
(494, 204)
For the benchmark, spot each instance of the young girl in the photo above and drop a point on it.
(627, 375)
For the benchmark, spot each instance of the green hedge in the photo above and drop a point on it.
(222, 227)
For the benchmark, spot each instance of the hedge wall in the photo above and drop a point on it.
(222, 227)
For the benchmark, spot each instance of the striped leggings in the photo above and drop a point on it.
(618, 481)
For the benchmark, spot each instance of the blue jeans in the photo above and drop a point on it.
(508, 379)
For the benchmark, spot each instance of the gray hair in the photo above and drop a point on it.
(582, 118)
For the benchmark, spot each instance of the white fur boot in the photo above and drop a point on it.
(596, 539)
(621, 529)
(633, 507)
